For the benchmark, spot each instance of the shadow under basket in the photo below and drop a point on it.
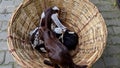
(80, 16)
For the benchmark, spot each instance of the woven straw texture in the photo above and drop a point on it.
(80, 16)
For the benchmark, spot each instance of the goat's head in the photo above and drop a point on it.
(46, 16)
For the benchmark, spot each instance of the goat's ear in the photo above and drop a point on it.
(42, 15)
(55, 8)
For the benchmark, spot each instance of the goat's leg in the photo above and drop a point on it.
(48, 63)
(51, 64)
(56, 66)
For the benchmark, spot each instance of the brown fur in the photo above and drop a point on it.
(57, 52)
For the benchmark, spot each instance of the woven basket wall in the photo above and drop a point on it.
(80, 16)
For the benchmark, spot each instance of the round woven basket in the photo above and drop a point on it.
(80, 16)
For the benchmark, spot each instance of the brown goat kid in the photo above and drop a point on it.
(57, 52)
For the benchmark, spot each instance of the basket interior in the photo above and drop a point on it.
(80, 16)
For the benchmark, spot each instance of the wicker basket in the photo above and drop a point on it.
(80, 16)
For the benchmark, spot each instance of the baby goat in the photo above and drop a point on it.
(68, 38)
(57, 52)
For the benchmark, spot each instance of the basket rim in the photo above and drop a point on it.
(25, 2)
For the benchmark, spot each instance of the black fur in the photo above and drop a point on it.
(69, 40)
(37, 47)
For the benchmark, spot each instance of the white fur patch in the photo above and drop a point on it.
(42, 15)
(58, 30)
(55, 8)
(31, 32)
(57, 21)
(43, 49)
(71, 32)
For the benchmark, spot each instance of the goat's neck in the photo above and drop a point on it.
(46, 21)
(57, 21)
(47, 36)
